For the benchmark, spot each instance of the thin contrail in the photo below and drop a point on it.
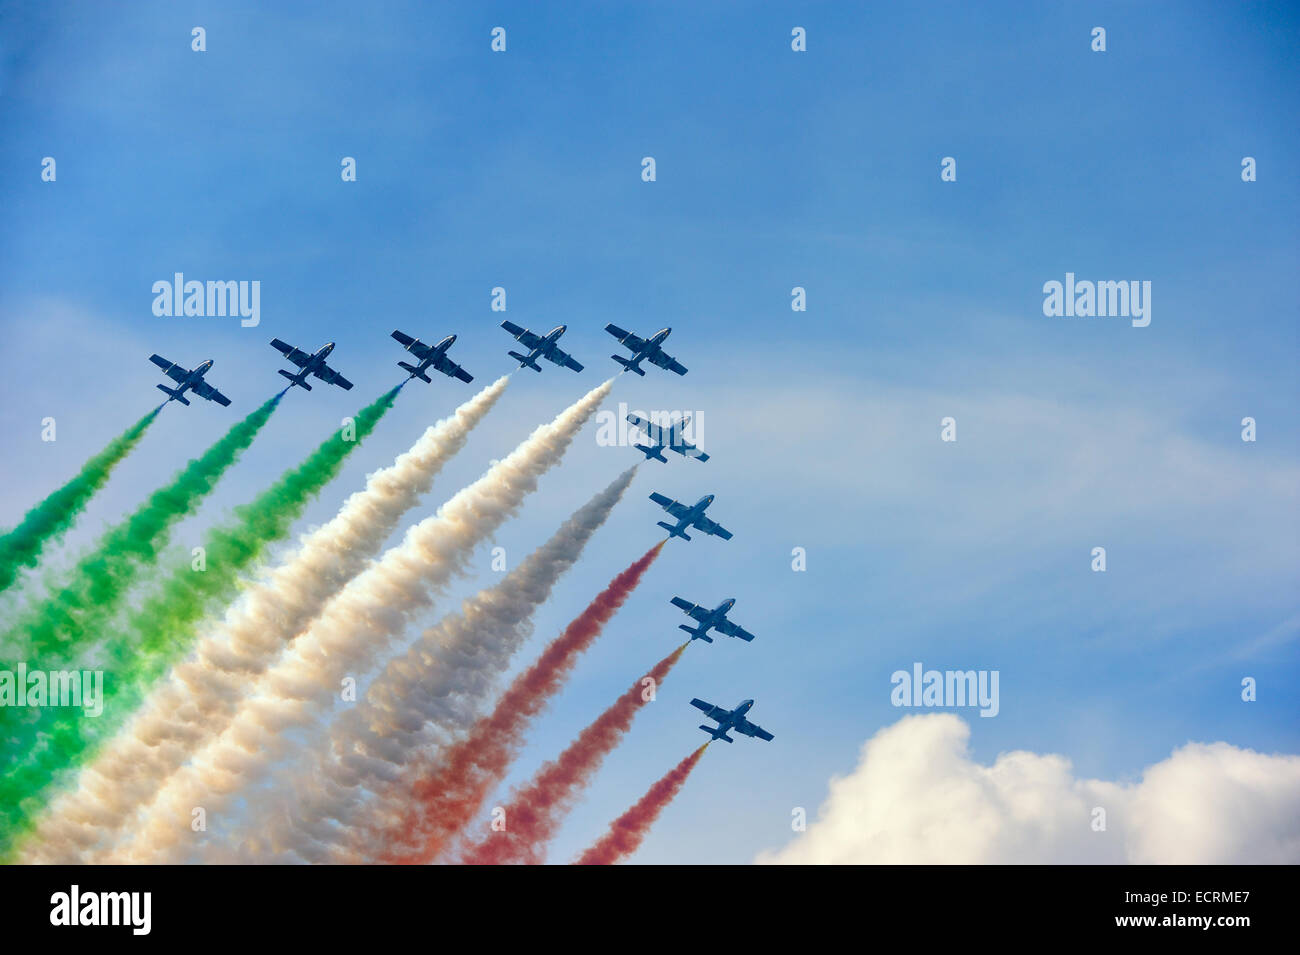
(45, 523)
(446, 793)
(203, 693)
(355, 628)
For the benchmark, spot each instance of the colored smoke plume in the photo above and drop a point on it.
(350, 637)
(45, 523)
(449, 796)
(534, 812)
(628, 831)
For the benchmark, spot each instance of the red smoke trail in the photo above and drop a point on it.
(447, 796)
(628, 830)
(536, 811)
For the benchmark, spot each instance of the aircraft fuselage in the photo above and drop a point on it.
(439, 350)
(187, 383)
(690, 517)
(649, 349)
(315, 364)
(729, 721)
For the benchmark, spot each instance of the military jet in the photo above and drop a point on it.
(431, 356)
(730, 720)
(692, 516)
(715, 619)
(310, 365)
(540, 347)
(670, 438)
(643, 349)
(187, 380)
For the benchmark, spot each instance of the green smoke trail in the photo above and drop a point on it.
(71, 616)
(164, 627)
(47, 521)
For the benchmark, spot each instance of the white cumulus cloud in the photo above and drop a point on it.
(917, 796)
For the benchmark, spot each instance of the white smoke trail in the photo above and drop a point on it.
(202, 694)
(308, 809)
(352, 631)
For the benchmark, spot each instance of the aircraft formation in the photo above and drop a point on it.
(435, 357)
(313, 364)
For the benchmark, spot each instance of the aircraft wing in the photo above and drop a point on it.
(665, 360)
(668, 504)
(416, 347)
(733, 630)
(693, 610)
(627, 338)
(713, 528)
(174, 371)
(563, 359)
(711, 711)
(205, 390)
(327, 374)
(653, 431)
(295, 355)
(689, 451)
(746, 728)
(453, 370)
(523, 335)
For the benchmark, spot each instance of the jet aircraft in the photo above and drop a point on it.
(431, 356)
(191, 380)
(715, 619)
(689, 516)
(540, 346)
(310, 365)
(643, 349)
(730, 720)
(670, 438)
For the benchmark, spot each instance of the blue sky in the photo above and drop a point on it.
(775, 169)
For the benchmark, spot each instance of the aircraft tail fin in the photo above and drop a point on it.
(175, 394)
(673, 531)
(652, 452)
(524, 360)
(695, 632)
(627, 365)
(712, 731)
(415, 372)
(294, 379)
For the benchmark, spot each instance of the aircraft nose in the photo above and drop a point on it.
(451, 339)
